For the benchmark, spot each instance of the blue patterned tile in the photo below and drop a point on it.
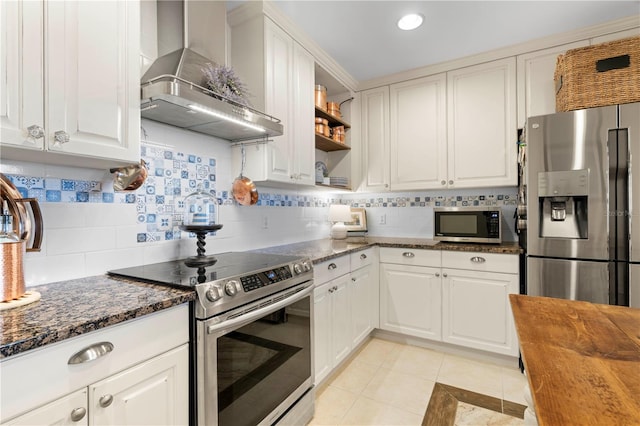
(53, 196)
(107, 197)
(82, 197)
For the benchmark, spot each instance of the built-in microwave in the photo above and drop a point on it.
(468, 224)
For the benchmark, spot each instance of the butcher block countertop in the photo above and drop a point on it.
(582, 360)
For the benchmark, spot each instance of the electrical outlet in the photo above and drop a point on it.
(265, 222)
(383, 219)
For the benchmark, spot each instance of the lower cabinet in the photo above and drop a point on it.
(361, 294)
(68, 410)
(331, 318)
(410, 300)
(132, 373)
(154, 392)
(476, 311)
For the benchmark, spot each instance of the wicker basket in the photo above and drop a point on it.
(598, 75)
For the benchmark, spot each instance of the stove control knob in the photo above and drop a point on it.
(214, 293)
(307, 266)
(297, 268)
(232, 288)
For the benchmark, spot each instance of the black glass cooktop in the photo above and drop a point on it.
(227, 265)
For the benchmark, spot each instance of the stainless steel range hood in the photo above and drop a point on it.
(173, 92)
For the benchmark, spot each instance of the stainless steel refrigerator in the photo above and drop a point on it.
(583, 205)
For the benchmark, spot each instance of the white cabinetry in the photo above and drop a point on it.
(332, 336)
(64, 99)
(418, 129)
(281, 74)
(375, 138)
(475, 300)
(633, 32)
(363, 293)
(143, 379)
(410, 299)
(536, 87)
(482, 134)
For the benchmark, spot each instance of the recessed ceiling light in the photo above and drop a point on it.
(410, 21)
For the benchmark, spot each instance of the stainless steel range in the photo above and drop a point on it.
(253, 322)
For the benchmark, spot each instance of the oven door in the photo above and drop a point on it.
(254, 367)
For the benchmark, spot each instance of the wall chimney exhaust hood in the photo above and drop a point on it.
(173, 92)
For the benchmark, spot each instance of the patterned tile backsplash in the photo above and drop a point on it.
(174, 175)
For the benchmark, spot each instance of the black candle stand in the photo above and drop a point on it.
(200, 260)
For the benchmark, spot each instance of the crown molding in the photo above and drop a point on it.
(623, 24)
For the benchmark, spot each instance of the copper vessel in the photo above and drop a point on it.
(21, 231)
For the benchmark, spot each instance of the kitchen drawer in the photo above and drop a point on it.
(475, 261)
(330, 269)
(362, 258)
(407, 256)
(43, 375)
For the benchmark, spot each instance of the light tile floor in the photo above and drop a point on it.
(390, 383)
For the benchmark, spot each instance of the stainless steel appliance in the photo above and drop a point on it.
(468, 224)
(582, 189)
(252, 334)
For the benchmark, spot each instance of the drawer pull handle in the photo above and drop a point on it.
(478, 259)
(91, 353)
(408, 254)
(332, 266)
(105, 400)
(363, 256)
(78, 414)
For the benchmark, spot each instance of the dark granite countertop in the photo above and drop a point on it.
(325, 249)
(74, 307)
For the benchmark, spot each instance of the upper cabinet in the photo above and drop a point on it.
(64, 98)
(536, 87)
(418, 133)
(453, 130)
(280, 76)
(482, 135)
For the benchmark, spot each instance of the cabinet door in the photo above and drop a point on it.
(278, 87)
(536, 87)
(375, 138)
(410, 300)
(322, 332)
(21, 68)
(302, 144)
(361, 295)
(154, 392)
(418, 142)
(476, 311)
(341, 317)
(68, 410)
(482, 134)
(93, 88)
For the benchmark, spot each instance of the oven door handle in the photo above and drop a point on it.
(241, 320)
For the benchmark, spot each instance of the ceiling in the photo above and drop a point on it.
(363, 38)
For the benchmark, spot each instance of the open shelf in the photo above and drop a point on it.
(333, 121)
(327, 144)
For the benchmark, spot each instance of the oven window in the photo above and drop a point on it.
(261, 364)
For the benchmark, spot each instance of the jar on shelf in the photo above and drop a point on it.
(321, 97)
(338, 134)
(333, 108)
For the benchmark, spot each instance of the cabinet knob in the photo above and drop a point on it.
(437, 274)
(105, 400)
(34, 132)
(331, 290)
(408, 254)
(78, 414)
(332, 266)
(60, 137)
(450, 182)
(363, 256)
(335, 288)
(478, 259)
(91, 353)
(444, 274)
(386, 185)
(353, 279)
(443, 182)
